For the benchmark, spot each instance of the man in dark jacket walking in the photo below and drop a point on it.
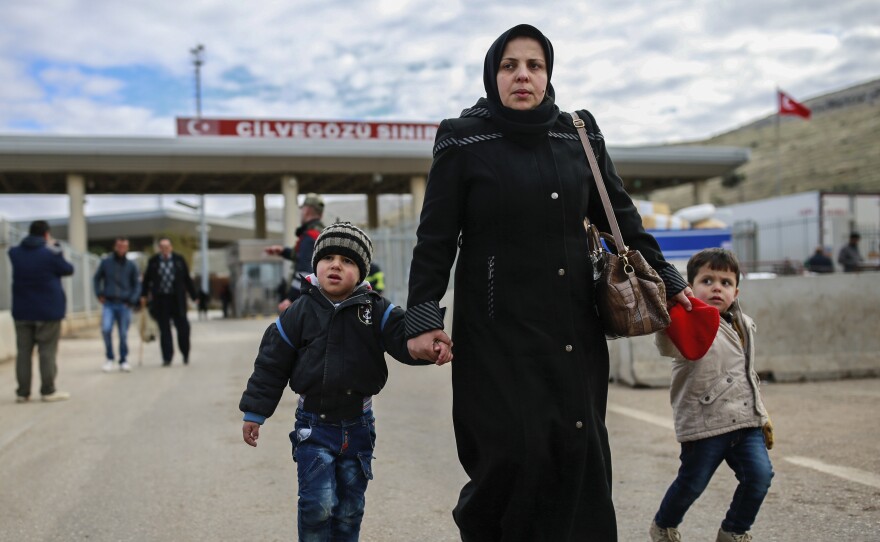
(311, 212)
(117, 286)
(38, 306)
(166, 285)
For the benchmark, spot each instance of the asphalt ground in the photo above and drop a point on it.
(157, 454)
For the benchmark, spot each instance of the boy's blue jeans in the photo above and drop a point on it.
(115, 312)
(745, 453)
(333, 466)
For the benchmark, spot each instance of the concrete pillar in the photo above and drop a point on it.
(417, 188)
(260, 216)
(290, 191)
(76, 229)
(701, 193)
(372, 210)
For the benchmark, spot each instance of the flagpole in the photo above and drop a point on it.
(778, 152)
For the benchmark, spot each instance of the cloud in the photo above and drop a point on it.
(652, 72)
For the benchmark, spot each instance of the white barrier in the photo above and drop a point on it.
(809, 328)
(7, 336)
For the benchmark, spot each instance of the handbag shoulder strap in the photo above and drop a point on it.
(600, 183)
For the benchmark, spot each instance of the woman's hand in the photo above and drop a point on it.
(682, 299)
(423, 347)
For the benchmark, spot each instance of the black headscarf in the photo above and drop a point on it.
(514, 122)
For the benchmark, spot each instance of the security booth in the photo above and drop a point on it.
(256, 279)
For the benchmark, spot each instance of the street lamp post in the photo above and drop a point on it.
(203, 237)
(198, 54)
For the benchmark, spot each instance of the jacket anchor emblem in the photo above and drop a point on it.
(365, 314)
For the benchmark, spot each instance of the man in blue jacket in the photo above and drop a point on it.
(38, 306)
(118, 288)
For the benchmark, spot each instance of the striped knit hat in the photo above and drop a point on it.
(347, 240)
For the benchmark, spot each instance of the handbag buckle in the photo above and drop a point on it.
(627, 267)
(579, 123)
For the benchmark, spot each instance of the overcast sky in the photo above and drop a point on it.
(652, 71)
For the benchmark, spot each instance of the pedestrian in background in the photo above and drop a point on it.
(849, 256)
(311, 226)
(204, 300)
(819, 262)
(166, 285)
(507, 193)
(376, 278)
(716, 401)
(38, 306)
(118, 288)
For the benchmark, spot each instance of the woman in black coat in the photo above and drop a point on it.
(508, 190)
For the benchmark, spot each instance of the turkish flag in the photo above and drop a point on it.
(789, 106)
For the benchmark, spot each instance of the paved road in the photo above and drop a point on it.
(157, 455)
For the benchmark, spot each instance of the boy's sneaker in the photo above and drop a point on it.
(125, 367)
(659, 534)
(108, 366)
(727, 536)
(56, 396)
(21, 399)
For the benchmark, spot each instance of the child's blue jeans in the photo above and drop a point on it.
(745, 453)
(333, 467)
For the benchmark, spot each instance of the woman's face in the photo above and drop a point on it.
(522, 75)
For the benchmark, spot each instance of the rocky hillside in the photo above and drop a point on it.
(838, 149)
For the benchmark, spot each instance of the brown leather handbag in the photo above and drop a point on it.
(630, 295)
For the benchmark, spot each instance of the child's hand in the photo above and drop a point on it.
(251, 432)
(768, 434)
(443, 351)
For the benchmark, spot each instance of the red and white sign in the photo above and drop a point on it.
(306, 129)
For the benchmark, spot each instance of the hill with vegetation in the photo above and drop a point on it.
(837, 149)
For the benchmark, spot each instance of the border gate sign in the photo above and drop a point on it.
(306, 129)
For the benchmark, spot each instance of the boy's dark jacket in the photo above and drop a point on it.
(334, 356)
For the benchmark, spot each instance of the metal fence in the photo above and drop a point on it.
(782, 246)
(77, 287)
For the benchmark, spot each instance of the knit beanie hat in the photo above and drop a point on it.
(693, 332)
(347, 240)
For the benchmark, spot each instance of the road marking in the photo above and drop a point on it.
(660, 421)
(847, 473)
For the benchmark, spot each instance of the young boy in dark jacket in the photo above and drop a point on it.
(329, 346)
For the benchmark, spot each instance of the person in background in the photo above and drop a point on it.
(508, 191)
(226, 298)
(118, 287)
(849, 256)
(376, 278)
(311, 226)
(819, 262)
(38, 306)
(166, 285)
(204, 299)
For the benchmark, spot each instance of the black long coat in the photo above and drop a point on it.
(183, 283)
(530, 376)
